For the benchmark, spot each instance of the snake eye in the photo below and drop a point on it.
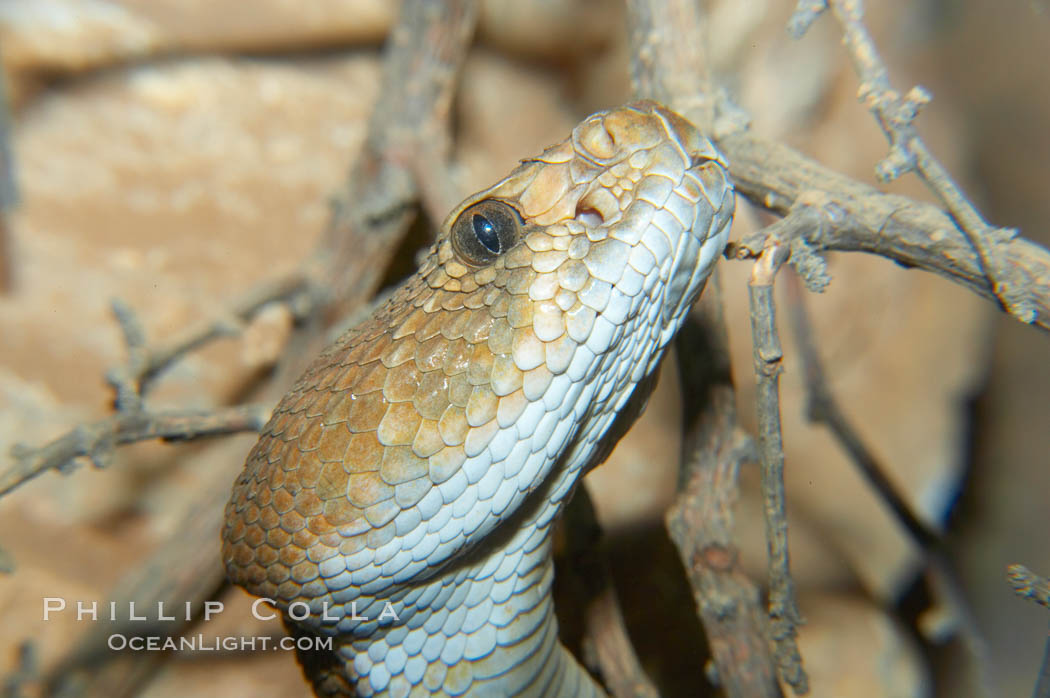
(484, 231)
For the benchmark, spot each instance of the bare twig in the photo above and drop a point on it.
(896, 116)
(700, 522)
(790, 232)
(133, 421)
(1029, 585)
(96, 441)
(1034, 587)
(859, 218)
(784, 614)
(821, 408)
(145, 363)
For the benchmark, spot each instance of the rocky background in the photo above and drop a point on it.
(171, 153)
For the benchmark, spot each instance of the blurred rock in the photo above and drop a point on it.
(47, 37)
(40, 39)
(851, 649)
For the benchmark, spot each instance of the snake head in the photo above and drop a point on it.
(433, 445)
(635, 200)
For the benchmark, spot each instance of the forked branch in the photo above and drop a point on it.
(896, 114)
(96, 442)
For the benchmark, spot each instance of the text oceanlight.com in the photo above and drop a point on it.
(120, 642)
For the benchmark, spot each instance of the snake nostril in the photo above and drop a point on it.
(589, 216)
(597, 207)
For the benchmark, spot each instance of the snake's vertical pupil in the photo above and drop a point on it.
(486, 233)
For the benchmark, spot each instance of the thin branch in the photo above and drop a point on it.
(145, 364)
(95, 442)
(667, 65)
(790, 232)
(859, 218)
(1031, 586)
(896, 115)
(783, 611)
(700, 522)
(821, 408)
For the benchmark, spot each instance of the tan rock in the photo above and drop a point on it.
(851, 649)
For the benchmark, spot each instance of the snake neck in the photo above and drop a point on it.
(486, 628)
(486, 624)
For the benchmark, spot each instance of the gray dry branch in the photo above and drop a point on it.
(768, 357)
(700, 522)
(1033, 587)
(908, 153)
(956, 243)
(96, 442)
